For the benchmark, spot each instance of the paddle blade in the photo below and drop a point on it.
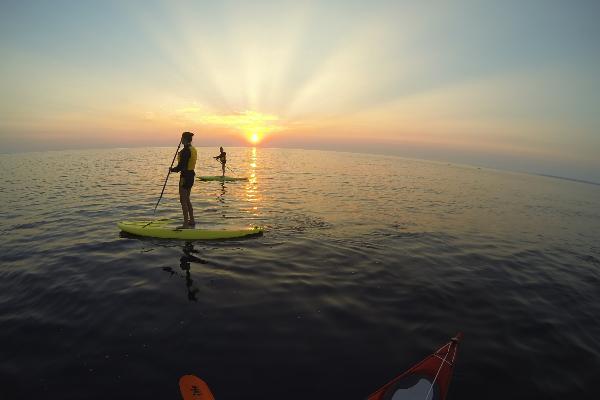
(194, 388)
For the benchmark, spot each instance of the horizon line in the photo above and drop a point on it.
(473, 165)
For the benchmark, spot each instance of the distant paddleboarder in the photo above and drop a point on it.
(185, 166)
(223, 159)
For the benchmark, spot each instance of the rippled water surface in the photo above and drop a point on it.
(368, 264)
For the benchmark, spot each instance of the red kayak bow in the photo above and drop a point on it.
(427, 380)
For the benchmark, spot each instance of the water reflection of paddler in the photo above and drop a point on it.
(185, 264)
(222, 157)
(221, 196)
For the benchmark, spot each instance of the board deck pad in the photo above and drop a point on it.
(170, 229)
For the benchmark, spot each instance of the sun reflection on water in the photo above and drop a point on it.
(251, 188)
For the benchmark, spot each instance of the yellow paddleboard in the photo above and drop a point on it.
(168, 229)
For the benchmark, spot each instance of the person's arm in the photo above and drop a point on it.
(184, 157)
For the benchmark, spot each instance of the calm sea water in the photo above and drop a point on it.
(368, 264)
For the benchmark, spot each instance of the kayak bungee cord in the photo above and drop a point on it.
(453, 341)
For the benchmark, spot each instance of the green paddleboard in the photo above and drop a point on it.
(168, 229)
(221, 178)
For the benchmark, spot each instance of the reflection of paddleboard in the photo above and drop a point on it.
(221, 178)
(194, 388)
(428, 379)
(168, 229)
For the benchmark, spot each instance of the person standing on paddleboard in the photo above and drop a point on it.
(223, 159)
(185, 166)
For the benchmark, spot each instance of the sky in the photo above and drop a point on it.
(504, 84)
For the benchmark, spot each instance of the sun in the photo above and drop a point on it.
(254, 133)
(251, 125)
(256, 126)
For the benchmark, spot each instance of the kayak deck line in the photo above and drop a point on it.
(450, 363)
(440, 367)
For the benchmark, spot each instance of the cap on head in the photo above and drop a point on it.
(187, 136)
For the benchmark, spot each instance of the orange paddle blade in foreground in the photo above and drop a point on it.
(194, 388)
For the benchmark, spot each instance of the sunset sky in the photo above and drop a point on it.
(507, 84)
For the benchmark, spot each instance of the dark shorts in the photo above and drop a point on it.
(186, 179)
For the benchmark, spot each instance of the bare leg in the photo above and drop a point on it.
(183, 199)
(191, 220)
(223, 168)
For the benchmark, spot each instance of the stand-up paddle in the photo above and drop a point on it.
(167, 178)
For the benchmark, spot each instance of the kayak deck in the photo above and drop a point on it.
(168, 229)
(427, 380)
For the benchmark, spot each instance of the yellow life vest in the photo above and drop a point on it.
(191, 165)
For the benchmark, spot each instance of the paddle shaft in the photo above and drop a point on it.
(167, 178)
